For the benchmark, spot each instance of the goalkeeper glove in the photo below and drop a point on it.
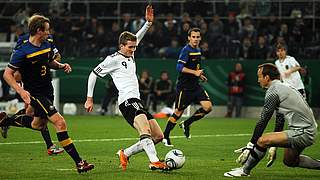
(245, 152)
(272, 154)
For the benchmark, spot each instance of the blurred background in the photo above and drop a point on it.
(243, 31)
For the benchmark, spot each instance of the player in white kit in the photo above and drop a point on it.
(122, 68)
(289, 105)
(289, 68)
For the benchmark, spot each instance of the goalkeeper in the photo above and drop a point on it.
(289, 105)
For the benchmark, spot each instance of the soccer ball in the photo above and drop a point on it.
(175, 159)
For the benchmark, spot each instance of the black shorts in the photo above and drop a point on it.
(43, 106)
(185, 97)
(131, 108)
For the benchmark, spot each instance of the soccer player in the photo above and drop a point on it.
(188, 89)
(302, 127)
(122, 68)
(289, 69)
(34, 59)
(52, 149)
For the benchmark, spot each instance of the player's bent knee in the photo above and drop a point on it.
(158, 138)
(207, 109)
(264, 142)
(60, 124)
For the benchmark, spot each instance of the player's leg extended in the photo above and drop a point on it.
(66, 142)
(142, 125)
(18, 121)
(156, 135)
(156, 132)
(206, 107)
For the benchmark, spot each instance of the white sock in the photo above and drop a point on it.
(150, 149)
(134, 149)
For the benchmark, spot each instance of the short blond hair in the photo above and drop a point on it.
(36, 22)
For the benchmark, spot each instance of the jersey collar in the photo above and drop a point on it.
(124, 55)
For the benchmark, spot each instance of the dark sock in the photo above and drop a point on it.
(46, 137)
(67, 144)
(20, 121)
(200, 113)
(172, 122)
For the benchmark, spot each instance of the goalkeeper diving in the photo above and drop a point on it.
(289, 105)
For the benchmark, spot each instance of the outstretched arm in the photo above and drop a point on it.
(149, 17)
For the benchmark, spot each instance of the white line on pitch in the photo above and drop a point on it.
(126, 139)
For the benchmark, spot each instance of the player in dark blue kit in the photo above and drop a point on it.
(52, 149)
(34, 59)
(188, 89)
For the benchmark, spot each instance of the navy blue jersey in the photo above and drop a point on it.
(190, 58)
(33, 64)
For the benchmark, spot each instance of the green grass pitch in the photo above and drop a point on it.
(208, 154)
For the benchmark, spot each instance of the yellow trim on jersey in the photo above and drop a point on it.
(38, 53)
(178, 105)
(24, 41)
(50, 40)
(66, 142)
(195, 53)
(40, 104)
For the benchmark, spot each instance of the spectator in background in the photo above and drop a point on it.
(184, 33)
(248, 29)
(145, 88)
(162, 91)
(171, 51)
(215, 29)
(111, 95)
(236, 86)
(284, 32)
(137, 23)
(112, 38)
(126, 22)
(151, 42)
(261, 49)
(246, 49)
(231, 34)
(171, 31)
(11, 34)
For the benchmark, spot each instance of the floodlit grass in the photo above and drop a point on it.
(208, 154)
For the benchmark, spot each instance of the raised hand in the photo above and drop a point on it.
(149, 13)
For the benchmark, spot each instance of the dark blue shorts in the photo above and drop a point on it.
(185, 97)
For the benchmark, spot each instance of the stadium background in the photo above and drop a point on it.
(83, 52)
(210, 151)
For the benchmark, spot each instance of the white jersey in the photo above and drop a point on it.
(294, 79)
(122, 70)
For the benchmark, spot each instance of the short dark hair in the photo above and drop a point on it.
(193, 30)
(36, 22)
(126, 36)
(281, 46)
(271, 70)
